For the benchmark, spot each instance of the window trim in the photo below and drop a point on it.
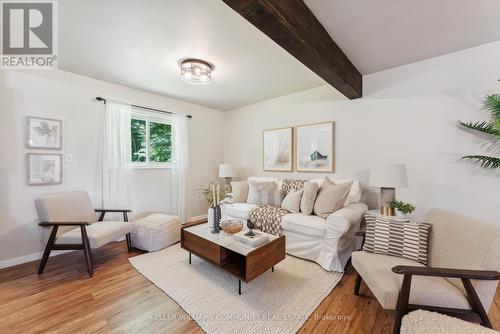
(155, 117)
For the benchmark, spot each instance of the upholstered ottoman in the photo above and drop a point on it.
(156, 231)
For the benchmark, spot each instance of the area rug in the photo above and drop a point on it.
(275, 302)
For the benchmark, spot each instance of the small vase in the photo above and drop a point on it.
(399, 214)
(214, 217)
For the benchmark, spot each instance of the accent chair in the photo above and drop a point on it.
(461, 277)
(75, 225)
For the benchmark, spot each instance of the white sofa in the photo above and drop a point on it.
(328, 242)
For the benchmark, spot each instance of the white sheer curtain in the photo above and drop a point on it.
(178, 173)
(116, 166)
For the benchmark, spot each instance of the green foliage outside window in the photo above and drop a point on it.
(160, 141)
(138, 129)
(160, 136)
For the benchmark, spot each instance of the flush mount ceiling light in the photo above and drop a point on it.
(196, 71)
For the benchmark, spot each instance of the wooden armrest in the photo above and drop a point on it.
(64, 223)
(113, 210)
(447, 272)
(360, 233)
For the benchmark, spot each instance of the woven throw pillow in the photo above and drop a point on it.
(289, 185)
(264, 193)
(308, 197)
(401, 239)
(331, 197)
(291, 202)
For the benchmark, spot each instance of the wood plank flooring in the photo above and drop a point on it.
(120, 300)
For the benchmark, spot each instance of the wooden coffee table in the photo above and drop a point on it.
(235, 257)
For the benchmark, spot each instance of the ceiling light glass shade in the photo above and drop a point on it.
(196, 71)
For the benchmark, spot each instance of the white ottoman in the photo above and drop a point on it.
(156, 231)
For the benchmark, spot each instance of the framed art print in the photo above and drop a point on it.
(278, 150)
(44, 133)
(314, 147)
(44, 169)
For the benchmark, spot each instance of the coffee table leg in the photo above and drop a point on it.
(239, 287)
(189, 257)
(272, 269)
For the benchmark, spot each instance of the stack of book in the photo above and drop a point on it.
(257, 239)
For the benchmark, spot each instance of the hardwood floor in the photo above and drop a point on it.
(119, 299)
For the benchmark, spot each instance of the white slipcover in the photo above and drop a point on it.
(328, 242)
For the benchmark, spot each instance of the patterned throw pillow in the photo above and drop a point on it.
(292, 185)
(264, 193)
(401, 239)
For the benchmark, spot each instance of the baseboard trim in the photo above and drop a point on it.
(37, 256)
(197, 219)
(28, 258)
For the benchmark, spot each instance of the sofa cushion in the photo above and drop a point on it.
(291, 202)
(354, 194)
(375, 269)
(239, 210)
(99, 233)
(289, 185)
(264, 193)
(313, 226)
(331, 197)
(239, 191)
(308, 197)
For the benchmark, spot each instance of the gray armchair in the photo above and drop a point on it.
(75, 225)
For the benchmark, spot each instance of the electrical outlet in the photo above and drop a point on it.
(68, 158)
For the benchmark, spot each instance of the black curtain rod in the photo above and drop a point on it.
(142, 107)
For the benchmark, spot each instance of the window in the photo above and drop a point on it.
(151, 139)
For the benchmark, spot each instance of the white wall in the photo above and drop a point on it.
(408, 115)
(67, 96)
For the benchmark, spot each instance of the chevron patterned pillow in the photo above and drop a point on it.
(402, 239)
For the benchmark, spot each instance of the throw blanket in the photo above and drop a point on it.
(268, 218)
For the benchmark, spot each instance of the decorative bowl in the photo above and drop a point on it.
(232, 226)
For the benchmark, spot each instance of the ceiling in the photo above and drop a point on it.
(139, 43)
(382, 34)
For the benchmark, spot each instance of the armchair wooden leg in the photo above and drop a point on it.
(87, 252)
(48, 248)
(129, 242)
(475, 302)
(357, 284)
(402, 304)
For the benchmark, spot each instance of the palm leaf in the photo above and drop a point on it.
(483, 127)
(492, 104)
(484, 161)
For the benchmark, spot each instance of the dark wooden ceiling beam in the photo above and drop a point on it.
(294, 27)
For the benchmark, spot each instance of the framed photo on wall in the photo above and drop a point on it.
(45, 133)
(314, 147)
(278, 150)
(44, 169)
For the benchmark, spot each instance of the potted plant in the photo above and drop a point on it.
(402, 209)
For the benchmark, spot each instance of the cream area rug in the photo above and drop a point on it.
(275, 302)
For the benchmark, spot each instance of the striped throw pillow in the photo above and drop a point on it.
(402, 239)
(264, 193)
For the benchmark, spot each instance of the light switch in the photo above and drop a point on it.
(68, 158)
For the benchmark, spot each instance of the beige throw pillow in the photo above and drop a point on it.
(291, 202)
(308, 197)
(240, 191)
(331, 197)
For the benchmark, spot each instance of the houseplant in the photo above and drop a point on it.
(402, 208)
(489, 130)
